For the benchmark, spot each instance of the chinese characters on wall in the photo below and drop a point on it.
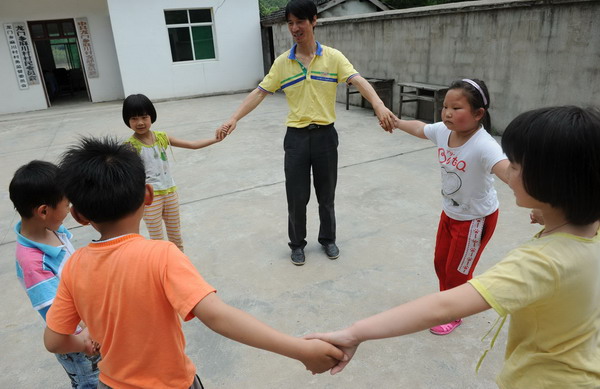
(20, 53)
(26, 55)
(87, 50)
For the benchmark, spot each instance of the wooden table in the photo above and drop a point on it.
(383, 87)
(420, 91)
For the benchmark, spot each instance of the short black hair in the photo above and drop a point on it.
(475, 98)
(302, 9)
(138, 105)
(103, 179)
(558, 151)
(33, 185)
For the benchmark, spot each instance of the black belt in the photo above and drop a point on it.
(313, 126)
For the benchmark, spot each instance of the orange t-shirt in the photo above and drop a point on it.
(129, 291)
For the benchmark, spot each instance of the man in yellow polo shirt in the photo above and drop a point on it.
(309, 73)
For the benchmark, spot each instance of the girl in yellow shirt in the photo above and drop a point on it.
(551, 285)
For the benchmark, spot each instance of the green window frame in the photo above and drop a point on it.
(65, 53)
(191, 34)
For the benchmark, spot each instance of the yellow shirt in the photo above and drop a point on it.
(551, 288)
(310, 92)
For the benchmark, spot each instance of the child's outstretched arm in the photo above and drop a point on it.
(413, 127)
(63, 344)
(238, 325)
(500, 169)
(422, 313)
(192, 144)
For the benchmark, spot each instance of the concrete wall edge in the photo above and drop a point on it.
(450, 8)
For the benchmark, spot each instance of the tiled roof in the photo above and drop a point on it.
(273, 18)
(279, 15)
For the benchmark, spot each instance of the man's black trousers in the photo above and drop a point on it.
(313, 147)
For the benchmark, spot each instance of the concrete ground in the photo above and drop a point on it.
(235, 231)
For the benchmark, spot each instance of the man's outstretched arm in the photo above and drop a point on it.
(251, 101)
(385, 116)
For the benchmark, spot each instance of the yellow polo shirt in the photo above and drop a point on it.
(310, 92)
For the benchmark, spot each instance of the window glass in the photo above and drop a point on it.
(203, 42)
(74, 54)
(181, 45)
(200, 16)
(176, 17)
(191, 34)
(53, 29)
(68, 28)
(59, 53)
(37, 31)
(65, 53)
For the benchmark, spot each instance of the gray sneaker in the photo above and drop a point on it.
(331, 250)
(297, 257)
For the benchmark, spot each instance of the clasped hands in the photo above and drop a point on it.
(387, 119)
(225, 129)
(346, 346)
(91, 347)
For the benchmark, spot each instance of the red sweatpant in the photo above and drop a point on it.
(458, 246)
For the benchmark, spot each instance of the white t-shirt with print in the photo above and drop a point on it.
(467, 181)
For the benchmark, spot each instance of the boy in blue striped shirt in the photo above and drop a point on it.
(43, 247)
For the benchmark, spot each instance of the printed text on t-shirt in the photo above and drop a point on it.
(447, 157)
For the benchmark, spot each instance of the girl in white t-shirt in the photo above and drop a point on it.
(468, 156)
(139, 114)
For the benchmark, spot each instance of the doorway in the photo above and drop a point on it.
(59, 60)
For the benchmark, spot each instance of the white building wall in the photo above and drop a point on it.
(142, 45)
(104, 88)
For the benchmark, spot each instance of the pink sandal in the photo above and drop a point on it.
(445, 329)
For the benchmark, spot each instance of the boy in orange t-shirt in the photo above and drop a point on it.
(132, 292)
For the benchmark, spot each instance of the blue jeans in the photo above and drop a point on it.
(197, 384)
(81, 369)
